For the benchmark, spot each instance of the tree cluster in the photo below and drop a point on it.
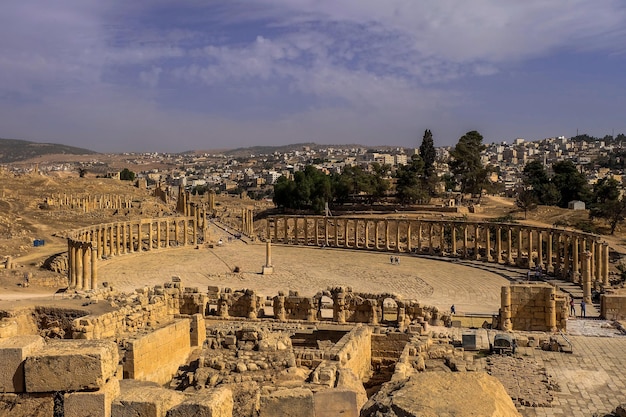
(566, 184)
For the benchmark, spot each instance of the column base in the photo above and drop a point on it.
(267, 270)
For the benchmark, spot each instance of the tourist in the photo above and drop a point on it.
(391, 259)
(583, 306)
(572, 307)
(397, 261)
(452, 309)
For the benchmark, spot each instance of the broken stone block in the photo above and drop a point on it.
(145, 399)
(335, 402)
(71, 365)
(91, 404)
(207, 403)
(13, 353)
(26, 405)
(297, 402)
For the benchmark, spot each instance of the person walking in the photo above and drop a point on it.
(583, 306)
(572, 307)
(452, 309)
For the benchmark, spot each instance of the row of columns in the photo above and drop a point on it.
(90, 202)
(555, 251)
(247, 222)
(87, 245)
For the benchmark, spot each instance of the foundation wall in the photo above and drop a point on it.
(156, 356)
(354, 351)
(533, 307)
(613, 306)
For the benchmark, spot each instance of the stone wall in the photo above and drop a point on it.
(532, 307)
(157, 355)
(613, 306)
(354, 351)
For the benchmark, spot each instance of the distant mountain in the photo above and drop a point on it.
(13, 150)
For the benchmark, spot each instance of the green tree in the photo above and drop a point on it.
(379, 182)
(428, 154)
(466, 165)
(410, 187)
(526, 201)
(127, 175)
(535, 179)
(571, 184)
(607, 204)
(310, 189)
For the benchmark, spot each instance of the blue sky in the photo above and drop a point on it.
(171, 76)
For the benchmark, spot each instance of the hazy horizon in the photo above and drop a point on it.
(188, 75)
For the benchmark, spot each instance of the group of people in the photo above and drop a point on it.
(572, 308)
(394, 260)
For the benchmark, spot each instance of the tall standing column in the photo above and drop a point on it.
(520, 247)
(111, 244)
(605, 264)
(185, 232)
(465, 253)
(286, 229)
(509, 246)
(431, 249)
(488, 244)
(336, 226)
(158, 234)
(397, 235)
(566, 261)
(376, 235)
(367, 234)
(74, 265)
(549, 265)
(86, 268)
(409, 247)
(453, 243)
(476, 242)
(194, 231)
(345, 234)
(419, 237)
(296, 234)
(306, 231)
(79, 267)
(505, 305)
(575, 260)
(540, 263)
(386, 234)
(94, 268)
(316, 227)
(276, 229)
(531, 262)
(558, 266)
(498, 244)
(587, 277)
(151, 234)
(598, 262)
(167, 232)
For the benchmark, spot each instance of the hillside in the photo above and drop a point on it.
(13, 150)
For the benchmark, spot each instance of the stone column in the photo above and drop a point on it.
(476, 242)
(540, 263)
(94, 268)
(345, 234)
(367, 234)
(549, 266)
(194, 231)
(306, 231)
(176, 233)
(587, 277)
(158, 234)
(592, 269)
(79, 267)
(97, 239)
(531, 262)
(465, 241)
(326, 224)
(151, 234)
(550, 303)
(336, 224)
(566, 262)
(498, 244)
(419, 237)
(286, 229)
(356, 233)
(520, 246)
(296, 235)
(488, 244)
(111, 240)
(185, 231)
(316, 227)
(605, 264)
(167, 231)
(509, 246)
(376, 234)
(431, 250)
(386, 234)
(598, 261)
(397, 235)
(72, 263)
(558, 266)
(575, 260)
(118, 240)
(86, 278)
(505, 309)
(409, 247)
(453, 234)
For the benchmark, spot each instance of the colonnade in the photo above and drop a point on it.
(579, 257)
(88, 245)
(87, 202)
(247, 222)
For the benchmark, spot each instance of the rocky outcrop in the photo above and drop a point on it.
(433, 394)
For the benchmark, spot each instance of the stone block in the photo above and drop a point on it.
(91, 404)
(71, 365)
(198, 330)
(297, 402)
(206, 403)
(26, 405)
(144, 399)
(334, 402)
(13, 353)
(8, 328)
